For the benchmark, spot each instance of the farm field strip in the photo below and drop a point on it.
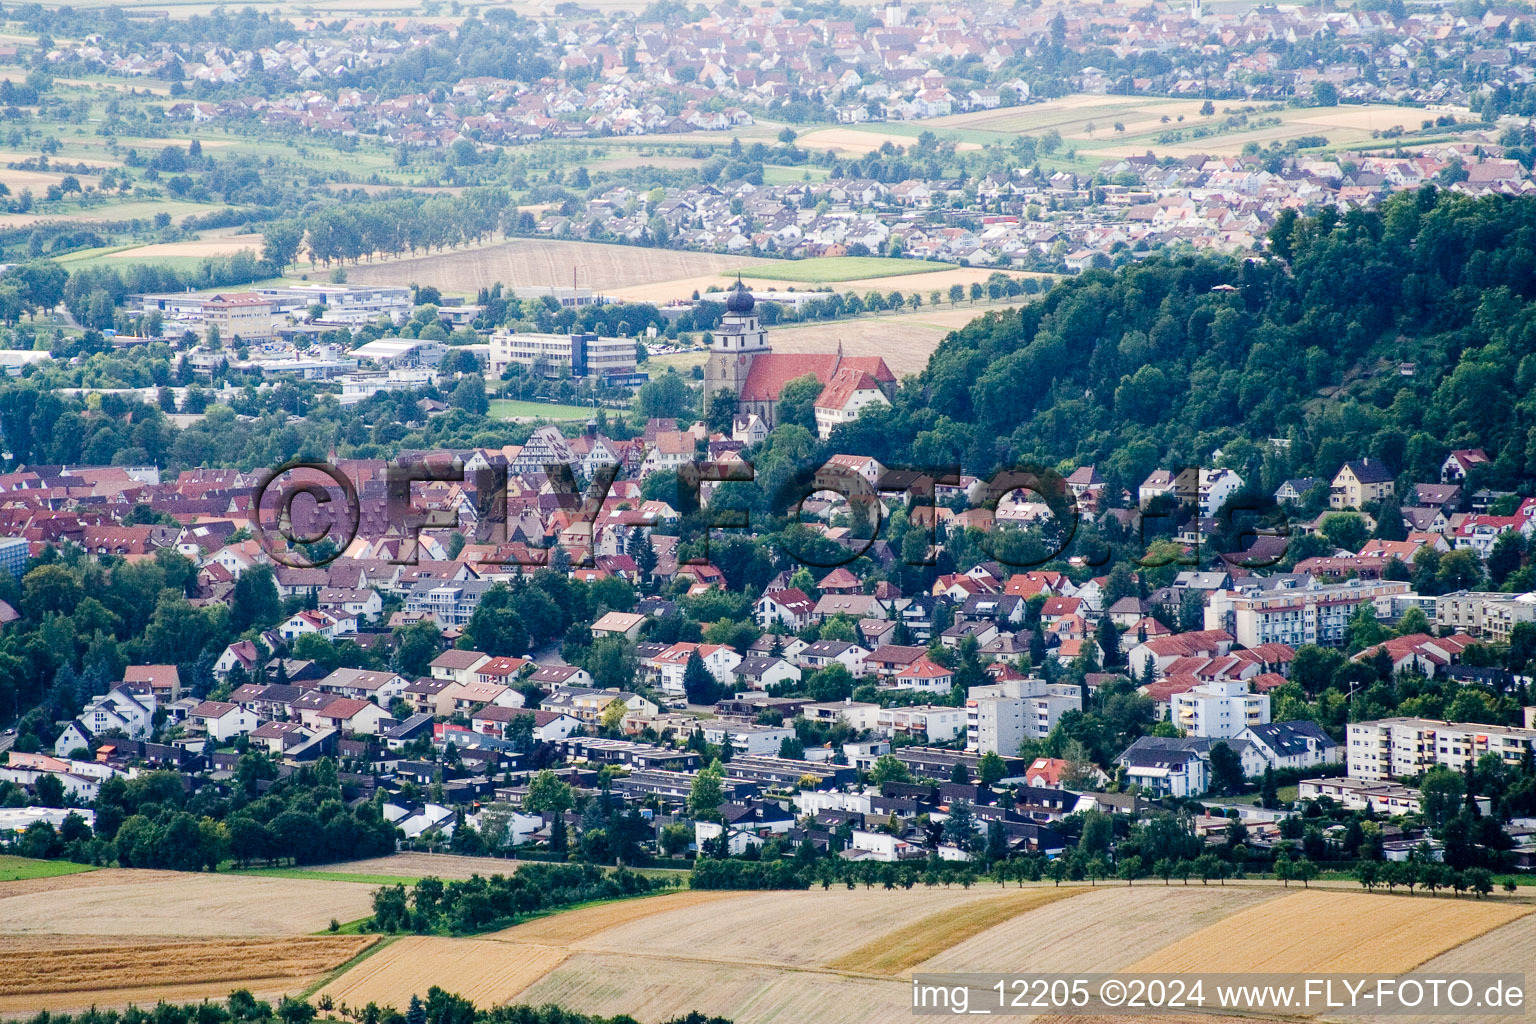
(905, 948)
(421, 865)
(781, 929)
(545, 263)
(1511, 947)
(586, 922)
(612, 983)
(170, 903)
(483, 970)
(13, 869)
(108, 963)
(1333, 931)
(1071, 935)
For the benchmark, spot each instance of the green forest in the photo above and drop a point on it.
(1397, 333)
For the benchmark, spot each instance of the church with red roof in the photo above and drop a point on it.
(742, 362)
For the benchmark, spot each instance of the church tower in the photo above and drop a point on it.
(738, 341)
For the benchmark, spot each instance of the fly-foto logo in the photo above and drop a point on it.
(306, 514)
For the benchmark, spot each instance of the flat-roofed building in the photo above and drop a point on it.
(243, 315)
(345, 304)
(1407, 747)
(1295, 616)
(581, 355)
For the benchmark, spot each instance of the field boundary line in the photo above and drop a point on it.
(325, 979)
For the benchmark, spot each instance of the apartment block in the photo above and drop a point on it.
(1302, 615)
(1220, 709)
(1001, 716)
(1481, 613)
(580, 355)
(1405, 747)
(936, 724)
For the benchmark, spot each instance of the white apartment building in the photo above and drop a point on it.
(1360, 794)
(1001, 716)
(755, 740)
(858, 714)
(938, 724)
(1405, 747)
(1303, 615)
(1484, 613)
(1219, 710)
(580, 355)
(1216, 486)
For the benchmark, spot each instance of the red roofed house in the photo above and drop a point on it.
(790, 607)
(1058, 608)
(848, 392)
(840, 581)
(164, 680)
(1163, 651)
(1419, 651)
(923, 674)
(1459, 462)
(349, 715)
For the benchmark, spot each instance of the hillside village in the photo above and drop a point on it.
(842, 711)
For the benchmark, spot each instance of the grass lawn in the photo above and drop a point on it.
(841, 268)
(508, 408)
(682, 362)
(14, 868)
(779, 174)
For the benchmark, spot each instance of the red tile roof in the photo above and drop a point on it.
(772, 370)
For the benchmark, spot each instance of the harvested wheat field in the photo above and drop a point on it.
(172, 903)
(1510, 948)
(573, 926)
(791, 929)
(659, 989)
(905, 947)
(543, 263)
(904, 340)
(760, 276)
(481, 970)
(99, 964)
(1072, 936)
(269, 990)
(1333, 931)
(83, 880)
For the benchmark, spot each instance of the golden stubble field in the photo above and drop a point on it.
(1333, 931)
(904, 340)
(545, 263)
(834, 956)
(126, 902)
(77, 969)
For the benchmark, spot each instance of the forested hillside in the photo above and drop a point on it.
(1396, 334)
